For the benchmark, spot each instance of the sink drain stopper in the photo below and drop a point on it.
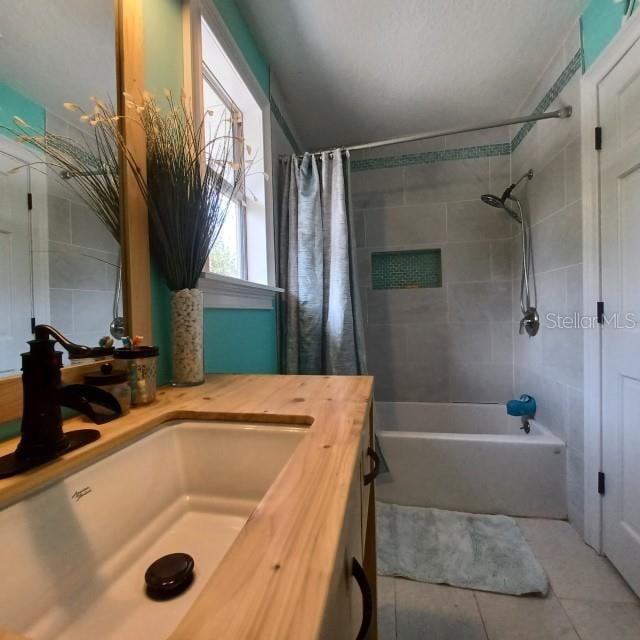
(169, 576)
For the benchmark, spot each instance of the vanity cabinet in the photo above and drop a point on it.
(353, 585)
(303, 565)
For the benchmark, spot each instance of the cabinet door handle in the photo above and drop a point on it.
(367, 598)
(373, 474)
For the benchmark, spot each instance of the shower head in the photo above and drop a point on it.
(499, 203)
(494, 201)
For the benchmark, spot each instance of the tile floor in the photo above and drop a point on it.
(588, 600)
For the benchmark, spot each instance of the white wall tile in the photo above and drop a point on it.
(403, 306)
(59, 219)
(470, 342)
(467, 262)
(501, 260)
(481, 382)
(376, 188)
(447, 181)
(405, 225)
(501, 343)
(88, 231)
(475, 220)
(546, 190)
(61, 309)
(480, 301)
(557, 240)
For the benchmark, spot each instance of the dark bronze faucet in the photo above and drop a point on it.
(42, 438)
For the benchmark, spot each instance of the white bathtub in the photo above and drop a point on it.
(469, 457)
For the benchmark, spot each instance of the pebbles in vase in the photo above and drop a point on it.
(187, 340)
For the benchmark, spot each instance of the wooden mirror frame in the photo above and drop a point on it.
(136, 269)
(135, 224)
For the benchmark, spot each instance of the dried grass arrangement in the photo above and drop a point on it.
(189, 182)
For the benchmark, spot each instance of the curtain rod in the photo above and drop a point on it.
(564, 112)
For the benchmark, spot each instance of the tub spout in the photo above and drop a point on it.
(526, 427)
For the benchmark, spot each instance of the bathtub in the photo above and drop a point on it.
(469, 457)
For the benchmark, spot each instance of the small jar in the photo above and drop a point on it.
(141, 365)
(115, 381)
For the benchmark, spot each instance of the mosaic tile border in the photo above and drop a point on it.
(556, 89)
(482, 151)
(280, 119)
(429, 157)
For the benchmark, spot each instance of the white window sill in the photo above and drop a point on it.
(224, 292)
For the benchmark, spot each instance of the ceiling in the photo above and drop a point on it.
(360, 70)
(56, 52)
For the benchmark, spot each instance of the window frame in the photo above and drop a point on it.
(223, 291)
(239, 197)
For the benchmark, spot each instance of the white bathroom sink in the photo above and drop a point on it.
(75, 554)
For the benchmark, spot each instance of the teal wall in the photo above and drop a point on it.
(600, 22)
(240, 341)
(236, 340)
(241, 33)
(13, 104)
(162, 69)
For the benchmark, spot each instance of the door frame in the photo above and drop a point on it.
(36, 183)
(592, 287)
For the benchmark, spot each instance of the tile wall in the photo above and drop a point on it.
(460, 343)
(452, 343)
(550, 366)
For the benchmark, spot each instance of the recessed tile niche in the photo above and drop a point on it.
(417, 269)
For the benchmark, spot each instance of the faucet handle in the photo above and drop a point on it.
(45, 332)
(82, 397)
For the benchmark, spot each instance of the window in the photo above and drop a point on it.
(223, 118)
(242, 249)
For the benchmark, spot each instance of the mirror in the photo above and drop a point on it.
(59, 251)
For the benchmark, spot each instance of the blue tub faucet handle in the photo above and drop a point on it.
(524, 406)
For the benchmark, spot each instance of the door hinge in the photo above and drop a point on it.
(600, 311)
(598, 138)
(29, 201)
(601, 482)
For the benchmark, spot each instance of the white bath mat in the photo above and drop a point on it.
(482, 552)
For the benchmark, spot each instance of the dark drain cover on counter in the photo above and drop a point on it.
(169, 576)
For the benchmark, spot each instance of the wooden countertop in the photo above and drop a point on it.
(274, 580)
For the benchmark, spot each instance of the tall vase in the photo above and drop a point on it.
(186, 337)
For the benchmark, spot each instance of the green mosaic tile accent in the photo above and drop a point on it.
(429, 157)
(406, 269)
(556, 89)
(280, 119)
(481, 151)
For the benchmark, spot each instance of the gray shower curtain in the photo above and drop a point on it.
(320, 322)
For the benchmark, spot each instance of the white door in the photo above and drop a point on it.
(15, 265)
(619, 108)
